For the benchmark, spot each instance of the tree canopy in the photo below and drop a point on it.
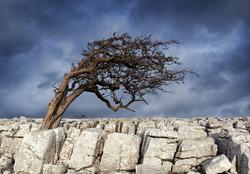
(119, 70)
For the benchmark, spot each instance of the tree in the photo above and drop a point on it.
(119, 70)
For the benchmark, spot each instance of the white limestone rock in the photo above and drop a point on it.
(192, 172)
(185, 165)
(66, 151)
(54, 169)
(85, 149)
(158, 150)
(37, 148)
(191, 132)
(145, 169)
(12, 144)
(143, 125)
(218, 164)
(121, 152)
(73, 133)
(4, 127)
(23, 129)
(162, 133)
(111, 127)
(239, 125)
(6, 161)
(196, 148)
(233, 169)
(128, 128)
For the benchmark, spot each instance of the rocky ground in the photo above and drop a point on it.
(126, 146)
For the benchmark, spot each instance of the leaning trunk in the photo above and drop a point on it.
(56, 106)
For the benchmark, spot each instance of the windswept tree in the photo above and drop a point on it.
(119, 70)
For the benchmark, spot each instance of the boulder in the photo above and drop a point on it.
(191, 132)
(158, 148)
(121, 152)
(86, 149)
(197, 148)
(37, 148)
(218, 164)
(186, 165)
(237, 146)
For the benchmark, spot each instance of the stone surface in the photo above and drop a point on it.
(54, 169)
(85, 150)
(191, 132)
(6, 161)
(145, 169)
(128, 128)
(167, 145)
(218, 164)
(37, 148)
(121, 152)
(111, 127)
(197, 148)
(158, 151)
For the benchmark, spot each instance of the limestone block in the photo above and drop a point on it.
(37, 148)
(66, 151)
(191, 132)
(239, 125)
(23, 129)
(13, 144)
(111, 127)
(161, 133)
(128, 128)
(159, 148)
(196, 148)
(183, 165)
(145, 169)
(54, 169)
(73, 133)
(218, 164)
(85, 149)
(121, 152)
(6, 161)
(143, 125)
(35, 126)
(27, 161)
(5, 127)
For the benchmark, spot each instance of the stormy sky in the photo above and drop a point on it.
(39, 40)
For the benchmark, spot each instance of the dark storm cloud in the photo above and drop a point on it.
(25, 23)
(40, 39)
(185, 15)
(217, 32)
(38, 42)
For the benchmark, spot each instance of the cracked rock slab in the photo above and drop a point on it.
(37, 148)
(196, 148)
(121, 152)
(218, 164)
(85, 149)
(158, 150)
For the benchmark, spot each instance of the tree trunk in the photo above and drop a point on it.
(56, 106)
(60, 103)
